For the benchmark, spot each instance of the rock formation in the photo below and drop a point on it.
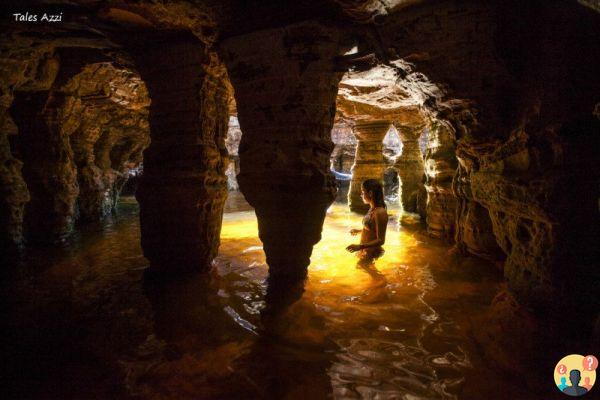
(368, 161)
(440, 166)
(184, 187)
(108, 121)
(232, 143)
(342, 156)
(285, 89)
(515, 133)
(48, 165)
(77, 126)
(25, 67)
(410, 167)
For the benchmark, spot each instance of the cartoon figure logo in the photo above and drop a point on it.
(575, 374)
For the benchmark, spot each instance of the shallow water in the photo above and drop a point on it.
(82, 322)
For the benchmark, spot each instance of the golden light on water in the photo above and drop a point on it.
(239, 225)
(331, 264)
(339, 289)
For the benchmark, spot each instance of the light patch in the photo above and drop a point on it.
(353, 50)
(239, 225)
(330, 261)
(331, 264)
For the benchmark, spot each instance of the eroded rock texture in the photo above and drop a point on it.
(410, 167)
(342, 156)
(440, 166)
(184, 187)
(75, 131)
(27, 67)
(474, 232)
(376, 95)
(285, 89)
(516, 132)
(232, 142)
(368, 161)
(107, 119)
(48, 166)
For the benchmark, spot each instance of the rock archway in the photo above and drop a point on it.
(79, 130)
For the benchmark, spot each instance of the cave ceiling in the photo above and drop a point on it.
(415, 60)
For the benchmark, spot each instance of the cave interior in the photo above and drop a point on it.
(150, 151)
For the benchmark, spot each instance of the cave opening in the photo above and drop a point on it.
(155, 250)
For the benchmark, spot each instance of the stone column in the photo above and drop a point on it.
(183, 188)
(285, 89)
(368, 162)
(474, 232)
(13, 189)
(410, 167)
(440, 166)
(48, 166)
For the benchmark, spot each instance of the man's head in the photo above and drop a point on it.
(575, 377)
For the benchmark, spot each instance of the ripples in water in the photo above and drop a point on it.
(397, 329)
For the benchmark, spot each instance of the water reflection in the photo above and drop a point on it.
(396, 328)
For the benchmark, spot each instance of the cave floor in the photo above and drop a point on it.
(82, 322)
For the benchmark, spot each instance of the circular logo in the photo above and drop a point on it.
(575, 375)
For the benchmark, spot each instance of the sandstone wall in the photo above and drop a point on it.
(520, 99)
(72, 128)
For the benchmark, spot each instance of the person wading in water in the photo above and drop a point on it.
(375, 222)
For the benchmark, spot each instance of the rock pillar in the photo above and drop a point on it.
(410, 167)
(440, 166)
(12, 186)
(48, 168)
(474, 232)
(183, 188)
(368, 162)
(285, 89)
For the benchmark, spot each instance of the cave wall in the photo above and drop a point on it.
(440, 166)
(369, 161)
(520, 99)
(342, 156)
(27, 67)
(71, 129)
(108, 121)
(48, 166)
